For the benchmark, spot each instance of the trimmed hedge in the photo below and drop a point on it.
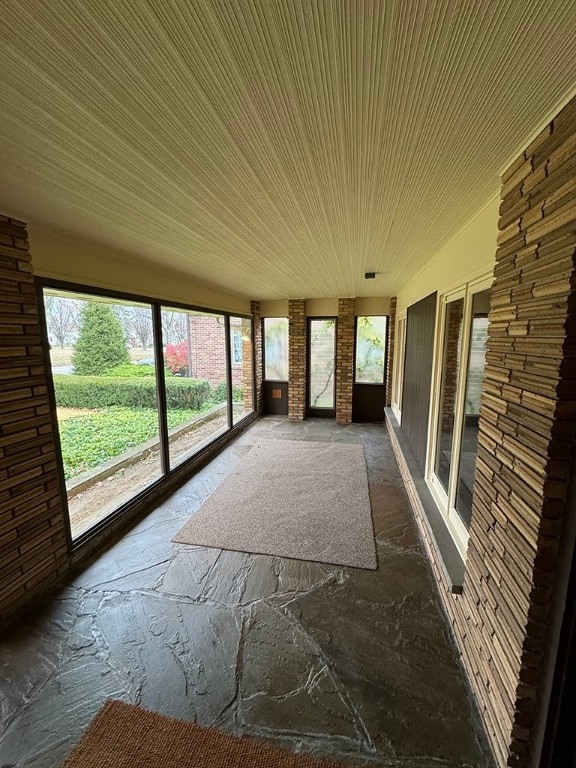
(129, 370)
(105, 391)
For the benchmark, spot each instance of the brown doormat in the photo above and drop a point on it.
(288, 498)
(126, 736)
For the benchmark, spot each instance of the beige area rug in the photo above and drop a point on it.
(126, 736)
(304, 500)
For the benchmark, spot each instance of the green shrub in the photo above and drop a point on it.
(101, 344)
(219, 393)
(105, 391)
(129, 369)
(91, 439)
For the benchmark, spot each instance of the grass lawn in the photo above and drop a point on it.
(89, 438)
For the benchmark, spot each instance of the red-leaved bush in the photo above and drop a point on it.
(176, 356)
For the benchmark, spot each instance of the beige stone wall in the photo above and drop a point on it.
(527, 427)
(345, 328)
(33, 536)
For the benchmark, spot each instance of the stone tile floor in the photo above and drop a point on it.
(352, 664)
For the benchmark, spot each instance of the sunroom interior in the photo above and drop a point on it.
(363, 213)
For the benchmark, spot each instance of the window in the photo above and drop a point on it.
(196, 380)
(398, 368)
(276, 348)
(370, 357)
(236, 346)
(139, 389)
(321, 363)
(104, 375)
(242, 374)
(464, 331)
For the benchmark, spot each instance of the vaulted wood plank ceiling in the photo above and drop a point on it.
(274, 148)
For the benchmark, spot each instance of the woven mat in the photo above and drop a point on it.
(126, 736)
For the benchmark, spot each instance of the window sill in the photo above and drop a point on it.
(425, 508)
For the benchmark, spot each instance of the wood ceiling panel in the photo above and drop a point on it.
(274, 148)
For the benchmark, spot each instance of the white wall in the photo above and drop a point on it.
(63, 258)
(467, 256)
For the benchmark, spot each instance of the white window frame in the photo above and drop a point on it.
(398, 365)
(446, 500)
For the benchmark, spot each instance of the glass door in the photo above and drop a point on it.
(321, 366)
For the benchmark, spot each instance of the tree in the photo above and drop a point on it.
(62, 317)
(141, 325)
(173, 326)
(101, 344)
(176, 356)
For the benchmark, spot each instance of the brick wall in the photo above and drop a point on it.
(258, 361)
(208, 349)
(33, 538)
(344, 360)
(391, 327)
(527, 429)
(297, 359)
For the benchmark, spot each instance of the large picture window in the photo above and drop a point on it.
(195, 379)
(103, 369)
(139, 388)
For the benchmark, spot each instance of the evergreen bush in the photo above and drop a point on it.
(101, 344)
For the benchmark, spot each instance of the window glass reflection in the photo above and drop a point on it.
(474, 380)
(448, 388)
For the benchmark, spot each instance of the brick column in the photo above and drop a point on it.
(390, 350)
(344, 360)
(297, 359)
(33, 542)
(258, 362)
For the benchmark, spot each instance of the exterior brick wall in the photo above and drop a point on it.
(258, 361)
(527, 429)
(208, 350)
(390, 350)
(344, 360)
(33, 536)
(297, 359)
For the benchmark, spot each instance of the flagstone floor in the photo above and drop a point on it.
(352, 664)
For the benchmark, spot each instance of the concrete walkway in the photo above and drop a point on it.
(353, 664)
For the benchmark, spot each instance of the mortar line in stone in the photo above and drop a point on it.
(363, 733)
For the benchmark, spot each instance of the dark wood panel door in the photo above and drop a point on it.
(420, 322)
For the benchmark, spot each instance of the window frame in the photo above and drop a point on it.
(398, 365)
(444, 499)
(168, 472)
